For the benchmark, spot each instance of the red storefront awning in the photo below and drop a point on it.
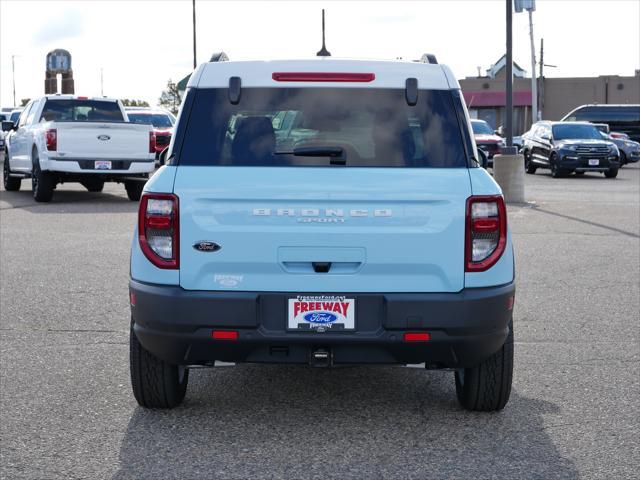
(496, 99)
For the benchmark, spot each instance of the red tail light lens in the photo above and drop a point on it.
(322, 77)
(486, 232)
(158, 229)
(224, 335)
(52, 139)
(417, 337)
(152, 142)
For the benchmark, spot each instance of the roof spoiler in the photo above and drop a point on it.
(428, 58)
(219, 57)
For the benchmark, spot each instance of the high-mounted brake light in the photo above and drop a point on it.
(51, 136)
(158, 229)
(152, 142)
(486, 232)
(322, 77)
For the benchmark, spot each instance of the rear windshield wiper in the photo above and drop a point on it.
(336, 154)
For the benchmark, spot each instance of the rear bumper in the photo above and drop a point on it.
(87, 166)
(465, 327)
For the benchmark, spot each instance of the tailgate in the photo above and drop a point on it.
(323, 229)
(103, 140)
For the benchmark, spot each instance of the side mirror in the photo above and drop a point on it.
(8, 125)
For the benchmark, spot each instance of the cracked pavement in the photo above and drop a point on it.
(66, 408)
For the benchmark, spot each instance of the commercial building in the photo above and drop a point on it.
(486, 99)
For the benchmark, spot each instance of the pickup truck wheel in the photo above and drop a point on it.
(487, 386)
(623, 158)
(156, 384)
(134, 189)
(611, 173)
(93, 185)
(42, 184)
(11, 184)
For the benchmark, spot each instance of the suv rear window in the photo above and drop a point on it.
(81, 111)
(373, 127)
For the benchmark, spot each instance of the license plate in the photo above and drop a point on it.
(321, 313)
(594, 162)
(102, 165)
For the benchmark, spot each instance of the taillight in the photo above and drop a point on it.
(152, 142)
(158, 229)
(486, 232)
(52, 139)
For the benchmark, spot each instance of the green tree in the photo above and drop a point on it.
(24, 101)
(170, 98)
(134, 103)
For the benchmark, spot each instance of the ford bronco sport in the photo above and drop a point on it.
(322, 212)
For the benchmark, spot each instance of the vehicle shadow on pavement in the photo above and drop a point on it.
(68, 201)
(361, 422)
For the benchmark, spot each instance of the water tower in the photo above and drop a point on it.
(58, 63)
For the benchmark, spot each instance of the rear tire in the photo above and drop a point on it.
(11, 184)
(611, 173)
(155, 383)
(623, 159)
(93, 185)
(134, 189)
(42, 183)
(487, 386)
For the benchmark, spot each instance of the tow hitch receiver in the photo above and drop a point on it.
(321, 357)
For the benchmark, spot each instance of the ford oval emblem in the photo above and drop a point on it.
(206, 246)
(104, 138)
(320, 317)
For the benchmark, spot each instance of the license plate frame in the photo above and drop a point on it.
(321, 313)
(102, 165)
(594, 162)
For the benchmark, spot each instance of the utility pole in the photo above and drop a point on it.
(509, 81)
(195, 62)
(101, 82)
(541, 100)
(534, 89)
(13, 74)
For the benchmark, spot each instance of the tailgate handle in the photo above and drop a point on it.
(321, 267)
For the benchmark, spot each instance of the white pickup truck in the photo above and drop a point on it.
(67, 138)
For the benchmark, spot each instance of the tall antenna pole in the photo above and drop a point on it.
(195, 63)
(323, 51)
(101, 82)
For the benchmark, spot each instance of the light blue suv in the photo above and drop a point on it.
(322, 212)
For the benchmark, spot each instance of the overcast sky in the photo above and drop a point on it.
(142, 44)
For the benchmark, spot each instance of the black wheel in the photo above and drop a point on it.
(611, 173)
(623, 158)
(487, 386)
(528, 164)
(556, 172)
(93, 185)
(134, 189)
(42, 183)
(484, 161)
(11, 184)
(156, 384)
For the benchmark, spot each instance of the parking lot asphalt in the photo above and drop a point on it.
(67, 410)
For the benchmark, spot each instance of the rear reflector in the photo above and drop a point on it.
(322, 77)
(224, 335)
(417, 337)
(132, 299)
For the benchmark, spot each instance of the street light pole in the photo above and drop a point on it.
(13, 74)
(509, 80)
(534, 85)
(195, 63)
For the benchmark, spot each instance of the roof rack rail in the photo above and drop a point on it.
(429, 58)
(219, 57)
